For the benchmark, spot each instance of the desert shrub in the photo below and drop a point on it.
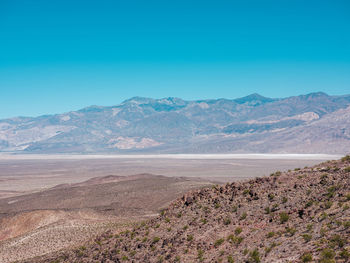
(327, 255)
(155, 240)
(331, 191)
(307, 237)
(227, 221)
(167, 220)
(309, 203)
(185, 227)
(204, 221)
(347, 169)
(125, 258)
(230, 259)
(235, 239)
(347, 197)
(328, 204)
(189, 238)
(291, 230)
(270, 234)
(306, 257)
(243, 216)
(177, 259)
(309, 227)
(255, 256)
(345, 254)
(271, 196)
(179, 215)
(337, 240)
(267, 210)
(284, 200)
(219, 242)
(200, 255)
(238, 230)
(346, 158)
(284, 217)
(346, 224)
(246, 191)
(234, 208)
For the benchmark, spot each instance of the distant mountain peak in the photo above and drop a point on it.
(254, 99)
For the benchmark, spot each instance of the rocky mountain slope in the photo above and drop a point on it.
(296, 216)
(313, 123)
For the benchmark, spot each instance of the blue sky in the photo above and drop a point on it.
(57, 56)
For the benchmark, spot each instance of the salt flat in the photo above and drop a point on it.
(291, 156)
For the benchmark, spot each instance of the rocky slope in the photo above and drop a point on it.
(66, 215)
(296, 216)
(171, 125)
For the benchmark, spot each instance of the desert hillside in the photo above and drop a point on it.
(70, 214)
(296, 216)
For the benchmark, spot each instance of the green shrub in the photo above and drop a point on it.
(347, 169)
(270, 234)
(200, 255)
(155, 240)
(345, 254)
(219, 242)
(327, 255)
(227, 221)
(243, 216)
(307, 237)
(337, 240)
(284, 200)
(284, 217)
(189, 238)
(306, 257)
(255, 256)
(346, 158)
(309, 227)
(328, 204)
(309, 203)
(291, 231)
(230, 259)
(238, 230)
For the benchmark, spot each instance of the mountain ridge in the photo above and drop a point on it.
(174, 125)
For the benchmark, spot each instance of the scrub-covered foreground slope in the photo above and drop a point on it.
(296, 216)
(312, 123)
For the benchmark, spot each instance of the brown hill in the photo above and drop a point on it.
(296, 216)
(64, 216)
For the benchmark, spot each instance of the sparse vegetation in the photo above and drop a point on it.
(312, 215)
(284, 217)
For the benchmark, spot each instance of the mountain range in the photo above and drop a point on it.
(312, 123)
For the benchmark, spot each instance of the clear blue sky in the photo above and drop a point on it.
(57, 56)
